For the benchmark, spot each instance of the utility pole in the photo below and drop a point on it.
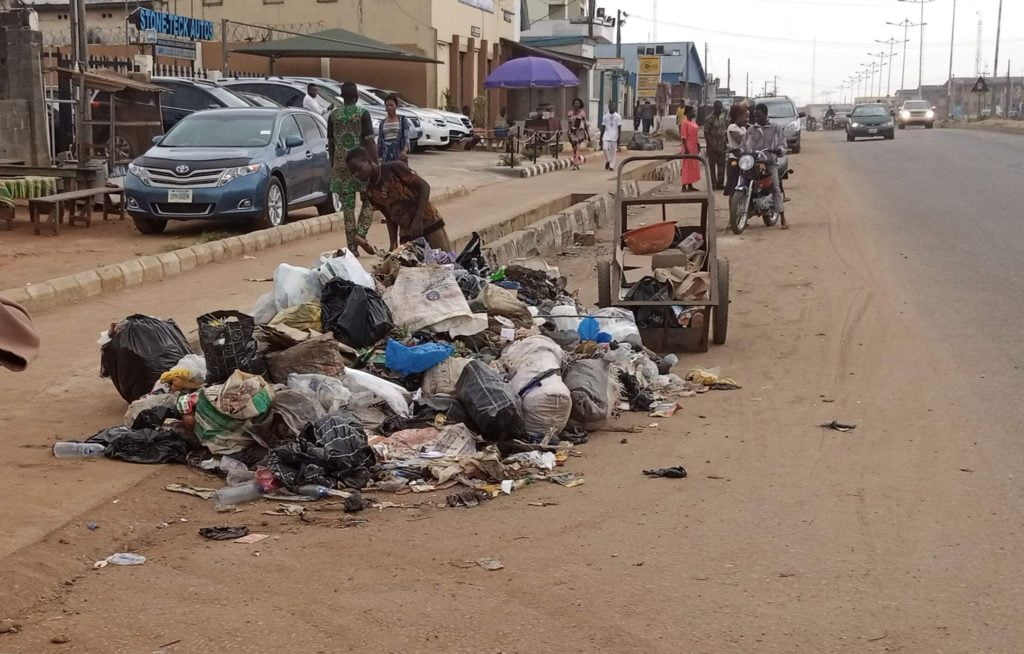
(814, 61)
(728, 74)
(620, 16)
(949, 82)
(888, 84)
(906, 24)
(920, 62)
(591, 11)
(995, 67)
(747, 94)
(707, 75)
(775, 85)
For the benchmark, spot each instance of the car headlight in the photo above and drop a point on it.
(234, 173)
(930, 114)
(139, 172)
(746, 162)
(453, 121)
(854, 124)
(888, 123)
(904, 114)
(793, 127)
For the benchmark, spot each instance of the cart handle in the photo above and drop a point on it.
(656, 157)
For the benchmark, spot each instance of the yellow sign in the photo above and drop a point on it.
(649, 65)
(648, 76)
(647, 83)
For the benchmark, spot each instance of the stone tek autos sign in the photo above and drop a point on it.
(195, 29)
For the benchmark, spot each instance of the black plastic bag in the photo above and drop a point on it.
(228, 345)
(472, 257)
(331, 451)
(425, 411)
(654, 317)
(357, 315)
(495, 411)
(160, 445)
(141, 348)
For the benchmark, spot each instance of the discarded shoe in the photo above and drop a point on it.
(675, 472)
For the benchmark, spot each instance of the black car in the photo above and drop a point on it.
(871, 120)
(187, 96)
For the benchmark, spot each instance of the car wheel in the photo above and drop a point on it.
(849, 137)
(795, 149)
(929, 125)
(275, 208)
(331, 205)
(149, 225)
(902, 126)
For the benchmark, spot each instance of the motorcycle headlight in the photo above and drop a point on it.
(746, 162)
(234, 173)
(139, 172)
(930, 114)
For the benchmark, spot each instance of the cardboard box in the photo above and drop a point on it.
(668, 259)
(631, 276)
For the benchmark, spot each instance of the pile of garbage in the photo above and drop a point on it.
(431, 372)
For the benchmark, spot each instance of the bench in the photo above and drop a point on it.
(79, 204)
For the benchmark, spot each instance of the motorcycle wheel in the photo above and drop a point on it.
(771, 220)
(738, 212)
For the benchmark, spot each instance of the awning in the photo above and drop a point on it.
(526, 50)
(337, 43)
(110, 82)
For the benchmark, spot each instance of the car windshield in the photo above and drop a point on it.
(327, 93)
(871, 110)
(221, 130)
(382, 94)
(779, 108)
(917, 105)
(227, 98)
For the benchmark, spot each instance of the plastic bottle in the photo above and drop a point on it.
(67, 450)
(313, 490)
(237, 494)
(692, 243)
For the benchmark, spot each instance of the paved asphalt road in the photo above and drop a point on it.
(949, 205)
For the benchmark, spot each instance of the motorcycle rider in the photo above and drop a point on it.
(830, 118)
(763, 135)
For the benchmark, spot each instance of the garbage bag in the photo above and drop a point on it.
(619, 324)
(443, 377)
(357, 315)
(565, 317)
(264, 310)
(426, 296)
(302, 317)
(291, 411)
(503, 302)
(223, 412)
(331, 451)
(342, 264)
(433, 411)
(188, 374)
(318, 356)
(472, 257)
(495, 411)
(537, 364)
(294, 285)
(593, 390)
(140, 349)
(590, 330)
(228, 344)
(329, 392)
(381, 390)
(410, 360)
(149, 402)
(147, 445)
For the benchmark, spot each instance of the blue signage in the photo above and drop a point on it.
(195, 29)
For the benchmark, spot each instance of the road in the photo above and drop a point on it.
(877, 307)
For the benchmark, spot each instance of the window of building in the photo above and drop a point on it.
(677, 53)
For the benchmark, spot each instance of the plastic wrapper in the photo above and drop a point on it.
(342, 264)
(396, 397)
(410, 360)
(294, 285)
(329, 392)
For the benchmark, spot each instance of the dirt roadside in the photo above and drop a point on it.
(784, 537)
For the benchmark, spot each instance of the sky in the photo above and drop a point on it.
(766, 38)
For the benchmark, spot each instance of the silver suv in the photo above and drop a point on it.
(782, 112)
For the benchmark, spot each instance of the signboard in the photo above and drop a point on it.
(186, 27)
(610, 63)
(177, 48)
(648, 77)
(980, 86)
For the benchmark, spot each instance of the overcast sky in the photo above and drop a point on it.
(774, 37)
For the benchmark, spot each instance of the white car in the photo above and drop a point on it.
(455, 126)
(435, 127)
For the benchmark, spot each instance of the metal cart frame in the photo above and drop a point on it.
(715, 310)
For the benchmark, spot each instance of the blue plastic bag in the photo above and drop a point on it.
(407, 360)
(589, 330)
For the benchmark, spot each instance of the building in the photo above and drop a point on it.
(681, 67)
(967, 103)
(568, 18)
(463, 35)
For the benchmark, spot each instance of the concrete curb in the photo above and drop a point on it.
(114, 277)
(544, 167)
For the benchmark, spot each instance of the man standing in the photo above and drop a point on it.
(349, 127)
(312, 102)
(715, 127)
(611, 126)
(763, 135)
(403, 197)
(647, 116)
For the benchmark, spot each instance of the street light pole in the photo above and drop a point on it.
(949, 81)
(920, 63)
(906, 24)
(892, 43)
(995, 66)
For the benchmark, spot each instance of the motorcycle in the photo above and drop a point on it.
(828, 124)
(753, 193)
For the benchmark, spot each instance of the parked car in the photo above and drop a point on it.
(435, 126)
(290, 92)
(186, 96)
(782, 112)
(916, 112)
(871, 120)
(257, 100)
(227, 164)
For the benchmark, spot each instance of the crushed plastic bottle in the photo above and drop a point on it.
(230, 495)
(315, 491)
(68, 450)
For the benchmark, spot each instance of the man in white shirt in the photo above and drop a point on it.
(611, 127)
(313, 103)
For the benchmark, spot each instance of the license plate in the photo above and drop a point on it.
(179, 195)
(873, 130)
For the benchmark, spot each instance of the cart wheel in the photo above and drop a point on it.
(720, 317)
(604, 284)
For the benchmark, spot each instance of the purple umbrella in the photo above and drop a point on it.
(531, 72)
